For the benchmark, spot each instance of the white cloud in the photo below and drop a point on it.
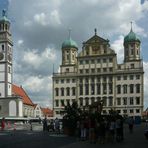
(32, 57)
(117, 45)
(45, 23)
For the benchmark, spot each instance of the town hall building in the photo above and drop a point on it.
(93, 74)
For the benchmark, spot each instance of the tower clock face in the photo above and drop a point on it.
(1, 56)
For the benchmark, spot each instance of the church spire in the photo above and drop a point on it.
(95, 31)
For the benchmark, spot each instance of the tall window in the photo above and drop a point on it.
(131, 101)
(124, 101)
(104, 101)
(131, 88)
(86, 89)
(110, 103)
(98, 89)
(110, 88)
(56, 103)
(118, 101)
(118, 89)
(137, 88)
(81, 89)
(62, 102)
(57, 91)
(125, 89)
(73, 91)
(137, 100)
(68, 91)
(92, 89)
(3, 48)
(86, 101)
(81, 101)
(104, 88)
(62, 91)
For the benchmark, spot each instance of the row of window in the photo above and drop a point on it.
(92, 61)
(130, 77)
(132, 88)
(94, 70)
(128, 101)
(65, 80)
(65, 91)
(124, 111)
(98, 79)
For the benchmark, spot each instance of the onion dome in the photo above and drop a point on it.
(131, 37)
(69, 43)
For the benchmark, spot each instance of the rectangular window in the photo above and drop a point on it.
(57, 81)
(98, 70)
(81, 62)
(86, 61)
(81, 71)
(137, 111)
(92, 61)
(87, 70)
(110, 60)
(118, 77)
(131, 77)
(56, 103)
(118, 101)
(110, 69)
(62, 80)
(131, 111)
(125, 77)
(67, 81)
(137, 77)
(62, 102)
(124, 101)
(93, 70)
(104, 60)
(131, 101)
(98, 60)
(73, 80)
(137, 100)
(81, 89)
(104, 69)
(131, 88)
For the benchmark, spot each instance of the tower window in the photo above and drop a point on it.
(3, 48)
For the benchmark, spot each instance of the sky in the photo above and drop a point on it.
(39, 27)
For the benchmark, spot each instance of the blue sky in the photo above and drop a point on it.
(40, 26)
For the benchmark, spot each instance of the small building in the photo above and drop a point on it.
(28, 105)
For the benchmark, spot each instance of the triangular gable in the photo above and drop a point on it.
(95, 39)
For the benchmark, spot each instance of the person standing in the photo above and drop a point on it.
(131, 124)
(45, 124)
(3, 124)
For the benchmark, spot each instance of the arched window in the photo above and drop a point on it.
(118, 89)
(137, 88)
(62, 91)
(125, 89)
(56, 91)
(12, 108)
(68, 91)
(73, 91)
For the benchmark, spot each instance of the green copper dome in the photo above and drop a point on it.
(69, 43)
(131, 37)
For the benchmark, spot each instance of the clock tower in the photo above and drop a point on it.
(10, 105)
(5, 57)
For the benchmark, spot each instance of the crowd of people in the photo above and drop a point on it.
(102, 128)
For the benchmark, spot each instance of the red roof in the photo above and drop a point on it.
(48, 112)
(19, 91)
